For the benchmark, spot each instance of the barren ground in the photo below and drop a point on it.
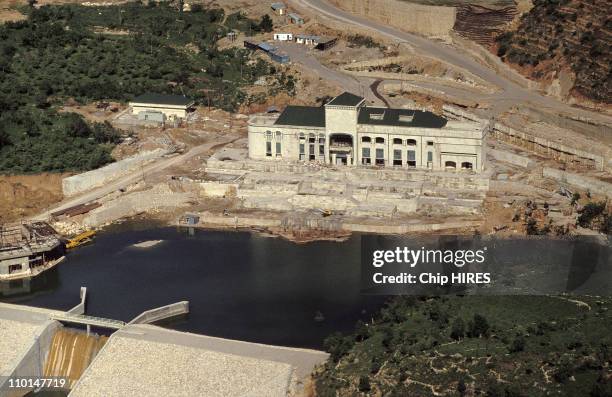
(24, 195)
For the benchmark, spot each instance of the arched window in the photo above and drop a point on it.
(279, 136)
(466, 165)
(411, 142)
(366, 139)
(397, 141)
(268, 136)
(450, 164)
(380, 140)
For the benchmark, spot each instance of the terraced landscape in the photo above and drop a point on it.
(564, 37)
(482, 24)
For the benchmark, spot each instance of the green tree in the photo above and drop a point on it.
(518, 344)
(5, 140)
(266, 24)
(458, 329)
(479, 326)
(364, 384)
(590, 212)
(461, 388)
(338, 345)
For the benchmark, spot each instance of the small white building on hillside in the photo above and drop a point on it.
(283, 36)
(154, 106)
(307, 39)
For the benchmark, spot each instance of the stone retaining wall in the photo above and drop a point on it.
(511, 158)
(556, 150)
(426, 20)
(581, 181)
(333, 225)
(91, 179)
(135, 203)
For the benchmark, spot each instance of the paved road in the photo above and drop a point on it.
(512, 92)
(133, 177)
(302, 55)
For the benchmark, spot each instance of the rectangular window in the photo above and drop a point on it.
(14, 268)
(429, 157)
(269, 149)
(411, 158)
(302, 152)
(278, 149)
(397, 157)
(312, 151)
(321, 150)
(365, 156)
(429, 143)
(380, 156)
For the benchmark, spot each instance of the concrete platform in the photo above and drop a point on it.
(25, 333)
(153, 361)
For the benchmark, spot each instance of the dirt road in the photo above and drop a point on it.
(512, 92)
(135, 176)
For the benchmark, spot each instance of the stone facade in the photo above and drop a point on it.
(346, 132)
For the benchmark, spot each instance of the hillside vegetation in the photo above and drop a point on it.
(475, 346)
(571, 35)
(115, 52)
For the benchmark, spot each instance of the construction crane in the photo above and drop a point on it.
(80, 239)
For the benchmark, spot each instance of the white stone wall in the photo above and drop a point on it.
(88, 180)
(169, 111)
(289, 141)
(340, 119)
(578, 180)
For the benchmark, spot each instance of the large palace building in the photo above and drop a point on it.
(347, 132)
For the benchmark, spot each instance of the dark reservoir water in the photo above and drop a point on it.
(240, 285)
(249, 287)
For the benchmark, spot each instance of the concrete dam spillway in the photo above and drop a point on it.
(71, 352)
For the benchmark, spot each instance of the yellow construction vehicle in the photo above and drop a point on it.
(80, 239)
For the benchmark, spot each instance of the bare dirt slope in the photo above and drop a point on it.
(24, 195)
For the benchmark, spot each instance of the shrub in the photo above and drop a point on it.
(518, 344)
(590, 212)
(458, 329)
(479, 326)
(364, 384)
(338, 345)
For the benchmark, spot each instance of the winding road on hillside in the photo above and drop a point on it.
(512, 92)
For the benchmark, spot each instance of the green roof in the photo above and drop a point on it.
(163, 99)
(346, 99)
(393, 117)
(306, 116)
